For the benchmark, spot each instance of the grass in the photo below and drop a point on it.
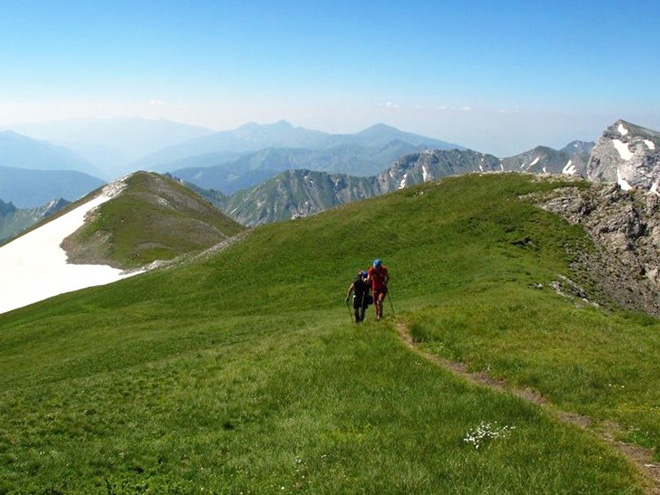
(172, 220)
(242, 373)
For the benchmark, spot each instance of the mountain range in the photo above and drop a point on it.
(625, 153)
(32, 188)
(247, 171)
(110, 144)
(272, 148)
(253, 168)
(20, 151)
(296, 193)
(227, 161)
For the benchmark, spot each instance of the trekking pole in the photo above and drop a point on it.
(390, 299)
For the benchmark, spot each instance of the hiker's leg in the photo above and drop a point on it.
(381, 296)
(382, 302)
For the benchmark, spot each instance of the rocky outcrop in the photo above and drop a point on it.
(628, 155)
(625, 229)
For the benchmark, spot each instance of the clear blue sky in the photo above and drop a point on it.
(533, 72)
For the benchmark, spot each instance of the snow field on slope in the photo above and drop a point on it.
(34, 267)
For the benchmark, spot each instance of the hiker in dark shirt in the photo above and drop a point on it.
(362, 298)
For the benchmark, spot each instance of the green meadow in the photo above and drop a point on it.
(242, 373)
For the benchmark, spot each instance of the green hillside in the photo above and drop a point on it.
(242, 373)
(154, 218)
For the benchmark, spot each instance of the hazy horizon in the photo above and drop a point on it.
(495, 78)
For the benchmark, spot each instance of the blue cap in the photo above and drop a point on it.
(378, 263)
(363, 274)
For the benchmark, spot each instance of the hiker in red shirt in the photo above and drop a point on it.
(378, 277)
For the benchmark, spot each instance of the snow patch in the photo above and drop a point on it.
(649, 144)
(501, 166)
(623, 183)
(654, 188)
(481, 167)
(569, 168)
(544, 170)
(391, 174)
(623, 149)
(536, 160)
(34, 267)
(622, 130)
(425, 173)
(402, 184)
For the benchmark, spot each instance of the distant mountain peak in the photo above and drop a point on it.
(379, 128)
(247, 126)
(629, 155)
(6, 208)
(252, 126)
(577, 146)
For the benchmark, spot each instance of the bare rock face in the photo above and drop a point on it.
(628, 155)
(625, 228)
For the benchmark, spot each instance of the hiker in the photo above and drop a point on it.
(378, 277)
(362, 298)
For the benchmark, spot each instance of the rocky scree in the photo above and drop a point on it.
(625, 229)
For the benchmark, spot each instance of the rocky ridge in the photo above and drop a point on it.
(625, 229)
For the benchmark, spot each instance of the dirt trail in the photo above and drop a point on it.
(642, 458)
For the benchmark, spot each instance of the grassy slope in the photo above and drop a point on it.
(160, 231)
(243, 374)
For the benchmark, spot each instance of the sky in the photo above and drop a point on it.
(499, 77)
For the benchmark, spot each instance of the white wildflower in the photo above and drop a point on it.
(486, 431)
